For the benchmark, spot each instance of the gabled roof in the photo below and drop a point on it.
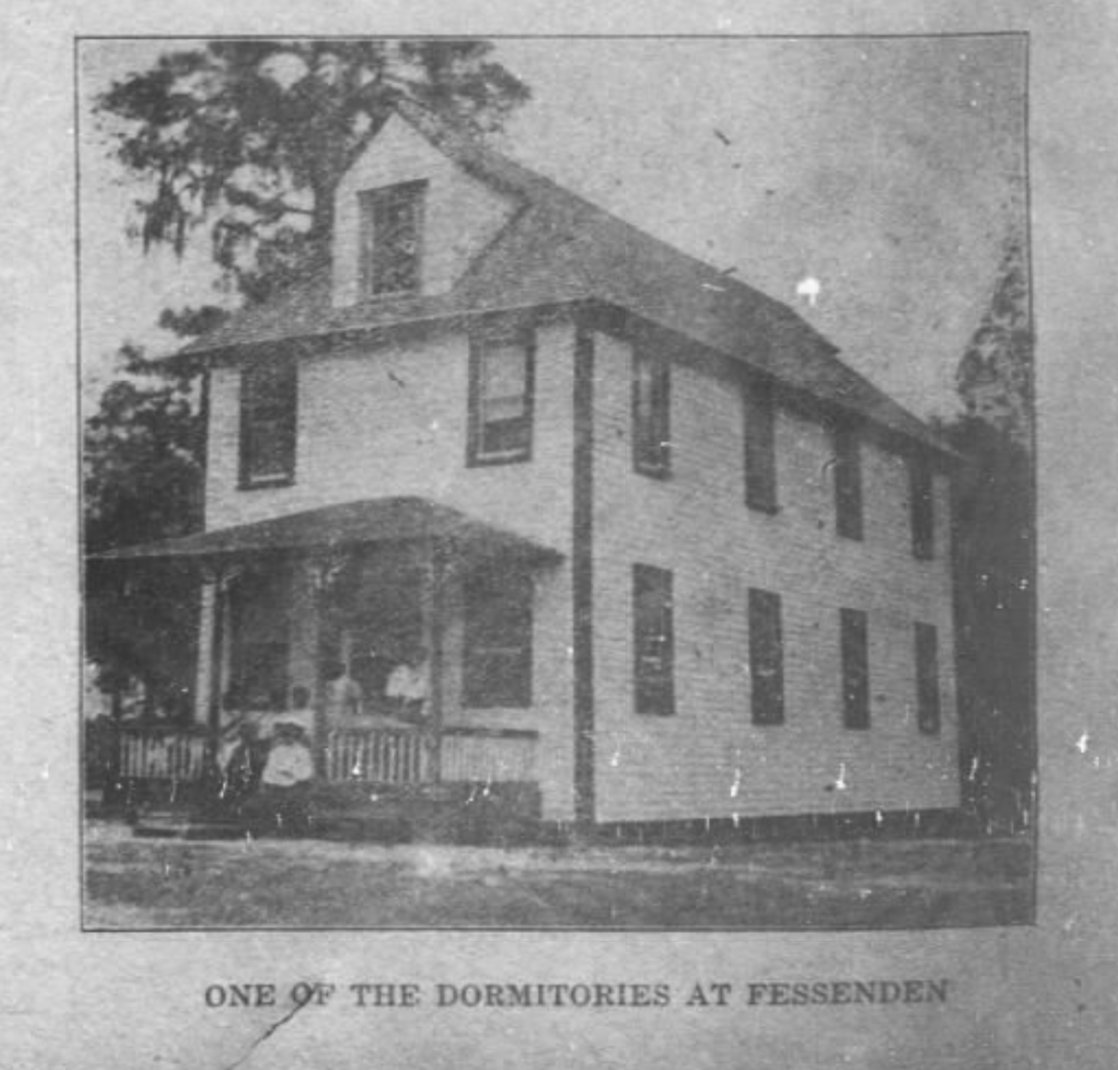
(559, 248)
(349, 524)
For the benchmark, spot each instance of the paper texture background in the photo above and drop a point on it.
(1042, 996)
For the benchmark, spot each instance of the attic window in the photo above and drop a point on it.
(391, 238)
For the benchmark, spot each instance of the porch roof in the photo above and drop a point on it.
(398, 519)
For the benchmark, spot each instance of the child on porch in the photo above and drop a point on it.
(282, 803)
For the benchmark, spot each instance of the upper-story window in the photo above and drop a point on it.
(267, 436)
(848, 483)
(922, 508)
(760, 447)
(502, 373)
(651, 407)
(392, 238)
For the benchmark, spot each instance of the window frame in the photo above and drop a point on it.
(285, 417)
(766, 658)
(759, 409)
(849, 505)
(481, 340)
(929, 702)
(854, 646)
(653, 692)
(512, 588)
(652, 453)
(370, 202)
(921, 484)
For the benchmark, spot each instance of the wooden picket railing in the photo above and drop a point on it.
(374, 755)
(488, 754)
(378, 755)
(159, 752)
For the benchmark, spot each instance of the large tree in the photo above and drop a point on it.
(993, 506)
(239, 144)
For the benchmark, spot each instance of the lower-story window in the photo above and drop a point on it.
(927, 679)
(497, 646)
(855, 669)
(653, 642)
(766, 657)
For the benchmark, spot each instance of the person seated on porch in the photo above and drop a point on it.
(241, 766)
(345, 700)
(406, 690)
(282, 803)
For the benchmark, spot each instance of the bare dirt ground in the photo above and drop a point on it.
(156, 884)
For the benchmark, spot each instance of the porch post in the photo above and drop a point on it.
(436, 603)
(211, 640)
(315, 576)
(203, 681)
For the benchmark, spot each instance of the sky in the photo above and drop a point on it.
(870, 183)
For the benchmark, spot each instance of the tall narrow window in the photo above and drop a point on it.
(502, 369)
(267, 436)
(497, 642)
(855, 669)
(921, 504)
(927, 679)
(848, 483)
(651, 406)
(259, 645)
(766, 657)
(760, 448)
(653, 641)
(391, 238)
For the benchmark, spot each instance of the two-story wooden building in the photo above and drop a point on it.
(666, 555)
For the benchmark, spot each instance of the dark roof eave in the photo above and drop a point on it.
(382, 520)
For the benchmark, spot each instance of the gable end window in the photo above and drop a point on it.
(766, 657)
(653, 642)
(391, 238)
(760, 447)
(923, 509)
(848, 483)
(651, 407)
(502, 380)
(497, 643)
(855, 669)
(268, 423)
(927, 679)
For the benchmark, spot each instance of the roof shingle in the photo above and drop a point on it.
(561, 249)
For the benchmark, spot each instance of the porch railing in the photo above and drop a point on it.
(378, 755)
(489, 754)
(158, 752)
(371, 755)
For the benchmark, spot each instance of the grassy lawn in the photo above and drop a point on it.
(146, 884)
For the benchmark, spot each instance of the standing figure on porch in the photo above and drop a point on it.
(345, 700)
(407, 687)
(282, 804)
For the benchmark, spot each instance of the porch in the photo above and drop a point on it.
(311, 619)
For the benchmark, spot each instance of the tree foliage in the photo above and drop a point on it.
(241, 143)
(995, 375)
(249, 138)
(993, 511)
